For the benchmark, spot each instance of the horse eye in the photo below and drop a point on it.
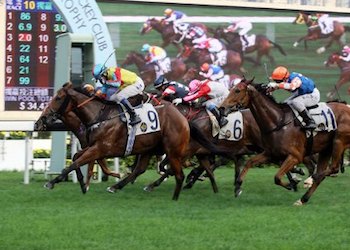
(237, 91)
(58, 98)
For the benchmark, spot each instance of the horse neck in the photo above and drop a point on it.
(157, 26)
(267, 113)
(87, 113)
(73, 123)
(139, 61)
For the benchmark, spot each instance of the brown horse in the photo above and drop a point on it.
(73, 123)
(147, 70)
(234, 62)
(284, 140)
(167, 31)
(344, 73)
(314, 32)
(108, 135)
(262, 45)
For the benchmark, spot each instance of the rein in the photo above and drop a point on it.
(85, 102)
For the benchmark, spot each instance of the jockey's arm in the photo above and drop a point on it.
(113, 83)
(230, 28)
(293, 85)
(208, 74)
(169, 91)
(345, 57)
(202, 92)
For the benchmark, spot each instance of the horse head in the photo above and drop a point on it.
(238, 97)
(146, 27)
(192, 73)
(332, 59)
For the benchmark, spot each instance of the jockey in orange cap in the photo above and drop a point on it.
(126, 83)
(305, 94)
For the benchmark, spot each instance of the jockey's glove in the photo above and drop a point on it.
(177, 101)
(273, 85)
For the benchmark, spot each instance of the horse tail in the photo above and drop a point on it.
(278, 47)
(197, 135)
(347, 28)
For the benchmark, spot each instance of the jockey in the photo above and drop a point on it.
(214, 93)
(212, 72)
(345, 53)
(213, 45)
(323, 21)
(243, 26)
(176, 17)
(127, 84)
(171, 90)
(196, 34)
(305, 94)
(156, 55)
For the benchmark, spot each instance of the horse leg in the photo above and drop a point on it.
(83, 157)
(156, 183)
(193, 176)
(287, 165)
(176, 166)
(105, 169)
(314, 180)
(204, 163)
(139, 169)
(90, 171)
(255, 160)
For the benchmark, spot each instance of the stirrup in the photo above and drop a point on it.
(134, 120)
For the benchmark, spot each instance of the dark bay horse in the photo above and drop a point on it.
(73, 123)
(167, 31)
(344, 73)
(285, 141)
(147, 71)
(108, 135)
(262, 45)
(234, 62)
(314, 32)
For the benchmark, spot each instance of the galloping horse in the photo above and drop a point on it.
(262, 45)
(73, 123)
(314, 32)
(247, 140)
(199, 56)
(344, 73)
(147, 71)
(108, 135)
(167, 31)
(285, 141)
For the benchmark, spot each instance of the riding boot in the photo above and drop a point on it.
(245, 40)
(309, 122)
(134, 118)
(221, 120)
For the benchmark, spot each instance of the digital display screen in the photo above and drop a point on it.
(31, 30)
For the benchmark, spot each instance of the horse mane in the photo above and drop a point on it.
(264, 90)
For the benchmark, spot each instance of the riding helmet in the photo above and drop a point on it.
(280, 73)
(194, 85)
(168, 12)
(98, 70)
(205, 67)
(145, 47)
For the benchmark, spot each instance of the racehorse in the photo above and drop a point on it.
(73, 123)
(314, 32)
(284, 140)
(233, 149)
(262, 45)
(234, 62)
(108, 135)
(344, 73)
(147, 70)
(167, 31)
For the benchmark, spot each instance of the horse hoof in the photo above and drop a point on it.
(298, 203)
(49, 185)
(188, 186)
(321, 50)
(295, 44)
(148, 189)
(110, 190)
(308, 182)
(238, 192)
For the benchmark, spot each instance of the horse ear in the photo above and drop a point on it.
(251, 80)
(68, 84)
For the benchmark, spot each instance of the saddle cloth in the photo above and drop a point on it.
(322, 115)
(163, 68)
(149, 119)
(232, 131)
(251, 41)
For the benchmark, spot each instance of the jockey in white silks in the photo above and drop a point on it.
(242, 26)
